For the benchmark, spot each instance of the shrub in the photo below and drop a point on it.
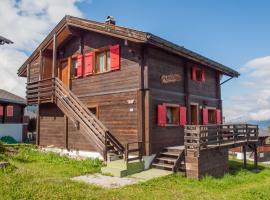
(2, 148)
(8, 140)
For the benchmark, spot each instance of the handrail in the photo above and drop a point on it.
(53, 90)
(139, 150)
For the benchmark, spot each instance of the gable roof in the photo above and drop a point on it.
(132, 35)
(9, 97)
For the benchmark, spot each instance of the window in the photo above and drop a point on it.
(9, 111)
(102, 61)
(74, 66)
(198, 74)
(172, 115)
(211, 116)
(194, 114)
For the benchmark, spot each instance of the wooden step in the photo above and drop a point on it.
(163, 165)
(170, 154)
(168, 159)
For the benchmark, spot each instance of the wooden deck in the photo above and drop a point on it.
(199, 137)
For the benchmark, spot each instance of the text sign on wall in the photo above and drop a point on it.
(171, 78)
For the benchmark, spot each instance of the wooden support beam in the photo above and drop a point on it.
(186, 90)
(28, 73)
(147, 105)
(66, 131)
(54, 61)
(245, 156)
(38, 126)
(40, 65)
(141, 103)
(255, 157)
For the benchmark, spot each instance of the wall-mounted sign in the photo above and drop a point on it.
(171, 78)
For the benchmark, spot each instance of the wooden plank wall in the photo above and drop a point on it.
(161, 63)
(52, 130)
(34, 69)
(115, 94)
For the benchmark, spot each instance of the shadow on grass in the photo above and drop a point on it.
(237, 166)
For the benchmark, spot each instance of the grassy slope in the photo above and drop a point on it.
(38, 175)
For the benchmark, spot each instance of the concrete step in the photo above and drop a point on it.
(120, 168)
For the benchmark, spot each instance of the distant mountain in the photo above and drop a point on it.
(262, 124)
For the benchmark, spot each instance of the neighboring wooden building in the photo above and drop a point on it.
(12, 115)
(139, 87)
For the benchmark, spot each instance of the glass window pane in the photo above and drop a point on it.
(108, 61)
(101, 62)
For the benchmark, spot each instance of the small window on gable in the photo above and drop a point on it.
(198, 74)
(9, 111)
(172, 115)
(102, 61)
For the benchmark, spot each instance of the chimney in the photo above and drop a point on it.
(110, 20)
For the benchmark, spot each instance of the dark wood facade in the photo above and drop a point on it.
(126, 100)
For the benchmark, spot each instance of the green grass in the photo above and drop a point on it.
(36, 175)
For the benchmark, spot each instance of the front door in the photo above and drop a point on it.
(64, 72)
(194, 114)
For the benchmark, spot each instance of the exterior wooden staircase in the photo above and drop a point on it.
(52, 90)
(171, 158)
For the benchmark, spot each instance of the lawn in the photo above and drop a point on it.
(36, 175)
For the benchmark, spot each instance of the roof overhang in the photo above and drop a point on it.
(62, 31)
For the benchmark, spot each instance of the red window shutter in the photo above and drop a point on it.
(88, 63)
(79, 66)
(161, 115)
(10, 111)
(203, 75)
(194, 73)
(183, 115)
(218, 116)
(115, 57)
(205, 116)
(1, 110)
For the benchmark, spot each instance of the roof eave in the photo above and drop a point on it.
(162, 43)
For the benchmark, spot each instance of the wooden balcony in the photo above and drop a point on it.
(40, 91)
(199, 137)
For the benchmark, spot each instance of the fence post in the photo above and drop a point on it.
(245, 156)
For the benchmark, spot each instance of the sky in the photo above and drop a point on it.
(234, 33)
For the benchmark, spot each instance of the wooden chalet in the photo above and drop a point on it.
(12, 121)
(105, 88)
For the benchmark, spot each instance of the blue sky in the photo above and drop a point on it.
(234, 33)
(230, 32)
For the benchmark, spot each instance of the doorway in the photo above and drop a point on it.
(64, 72)
(194, 114)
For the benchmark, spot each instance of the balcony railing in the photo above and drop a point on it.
(198, 137)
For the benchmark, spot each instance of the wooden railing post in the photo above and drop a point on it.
(126, 153)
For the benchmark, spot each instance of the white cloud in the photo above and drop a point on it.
(26, 23)
(253, 99)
